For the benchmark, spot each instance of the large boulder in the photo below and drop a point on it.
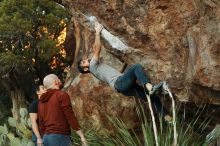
(178, 42)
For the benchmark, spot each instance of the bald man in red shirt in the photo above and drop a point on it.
(56, 115)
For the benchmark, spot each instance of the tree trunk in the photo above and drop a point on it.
(18, 101)
(72, 73)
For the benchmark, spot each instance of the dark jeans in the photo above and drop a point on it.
(34, 138)
(56, 140)
(127, 85)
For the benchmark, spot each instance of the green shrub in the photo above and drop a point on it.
(188, 133)
(19, 133)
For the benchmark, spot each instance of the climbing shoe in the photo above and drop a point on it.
(162, 88)
(165, 89)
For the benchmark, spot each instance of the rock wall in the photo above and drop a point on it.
(179, 42)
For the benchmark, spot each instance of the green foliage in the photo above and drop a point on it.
(47, 46)
(21, 142)
(29, 30)
(12, 122)
(19, 134)
(187, 134)
(3, 130)
(15, 142)
(212, 136)
(95, 139)
(8, 60)
(23, 113)
(14, 17)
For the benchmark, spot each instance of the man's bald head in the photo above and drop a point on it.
(50, 81)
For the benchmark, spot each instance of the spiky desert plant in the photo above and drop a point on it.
(188, 133)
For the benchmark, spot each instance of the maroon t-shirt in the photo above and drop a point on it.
(55, 113)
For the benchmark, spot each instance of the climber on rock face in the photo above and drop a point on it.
(133, 82)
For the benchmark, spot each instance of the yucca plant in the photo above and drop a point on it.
(189, 133)
(94, 139)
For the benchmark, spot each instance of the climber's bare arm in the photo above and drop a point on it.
(97, 44)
